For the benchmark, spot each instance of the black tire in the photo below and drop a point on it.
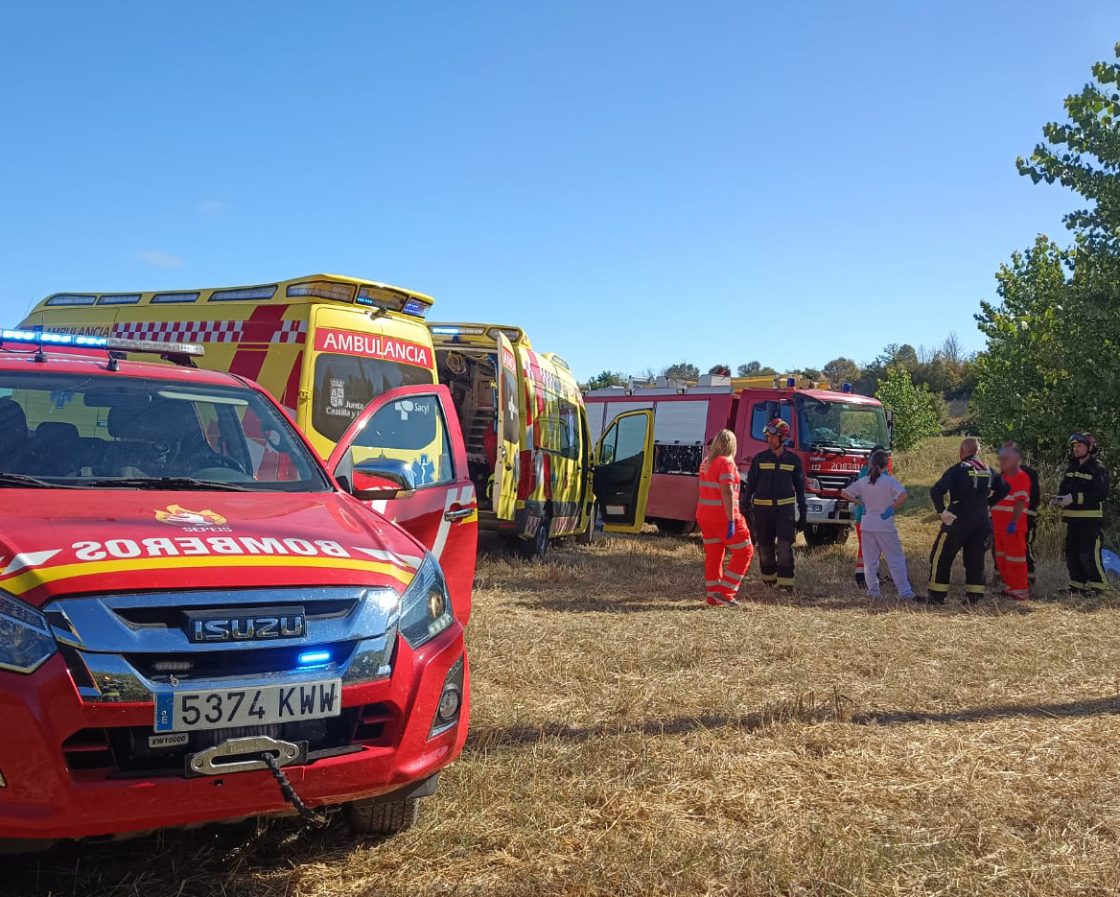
(821, 535)
(667, 527)
(368, 818)
(536, 548)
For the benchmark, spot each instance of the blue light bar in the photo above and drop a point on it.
(313, 658)
(447, 331)
(790, 382)
(847, 387)
(415, 307)
(47, 338)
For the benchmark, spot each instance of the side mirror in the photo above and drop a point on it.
(382, 479)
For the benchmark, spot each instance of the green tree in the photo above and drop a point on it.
(755, 369)
(720, 370)
(914, 408)
(604, 379)
(1083, 154)
(841, 370)
(682, 370)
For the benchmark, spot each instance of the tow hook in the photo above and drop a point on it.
(258, 752)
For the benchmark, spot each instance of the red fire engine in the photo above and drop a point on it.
(832, 430)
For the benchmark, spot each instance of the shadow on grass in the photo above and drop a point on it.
(806, 710)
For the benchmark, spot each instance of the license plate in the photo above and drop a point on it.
(179, 710)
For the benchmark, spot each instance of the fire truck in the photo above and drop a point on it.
(833, 431)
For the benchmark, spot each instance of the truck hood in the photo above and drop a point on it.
(67, 542)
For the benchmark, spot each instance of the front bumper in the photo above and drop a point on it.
(827, 511)
(60, 782)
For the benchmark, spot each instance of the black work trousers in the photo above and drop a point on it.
(1083, 554)
(774, 530)
(970, 536)
(1032, 531)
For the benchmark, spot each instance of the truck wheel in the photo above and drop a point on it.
(667, 527)
(370, 818)
(820, 535)
(536, 548)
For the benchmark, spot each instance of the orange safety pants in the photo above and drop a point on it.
(722, 581)
(1011, 553)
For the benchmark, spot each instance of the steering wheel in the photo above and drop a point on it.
(218, 460)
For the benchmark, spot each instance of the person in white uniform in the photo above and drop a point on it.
(881, 495)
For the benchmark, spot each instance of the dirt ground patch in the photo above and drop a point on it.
(627, 740)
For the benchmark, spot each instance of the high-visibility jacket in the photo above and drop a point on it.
(775, 481)
(1088, 484)
(971, 487)
(1019, 486)
(714, 475)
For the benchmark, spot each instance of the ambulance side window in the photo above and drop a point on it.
(412, 430)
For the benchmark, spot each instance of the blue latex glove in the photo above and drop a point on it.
(730, 529)
(887, 514)
(1012, 528)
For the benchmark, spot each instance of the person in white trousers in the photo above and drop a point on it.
(881, 496)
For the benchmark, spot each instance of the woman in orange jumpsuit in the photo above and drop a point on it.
(722, 524)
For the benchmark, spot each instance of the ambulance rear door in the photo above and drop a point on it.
(509, 431)
(624, 470)
(431, 496)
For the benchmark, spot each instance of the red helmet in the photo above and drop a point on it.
(1086, 440)
(777, 427)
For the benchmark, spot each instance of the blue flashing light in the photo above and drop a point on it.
(446, 331)
(415, 307)
(791, 382)
(313, 658)
(364, 300)
(847, 387)
(46, 338)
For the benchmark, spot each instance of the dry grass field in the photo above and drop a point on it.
(627, 740)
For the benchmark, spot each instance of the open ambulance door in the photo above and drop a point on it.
(504, 499)
(404, 456)
(624, 471)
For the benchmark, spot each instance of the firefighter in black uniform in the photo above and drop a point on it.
(775, 497)
(1081, 497)
(972, 488)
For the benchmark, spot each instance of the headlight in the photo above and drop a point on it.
(425, 606)
(25, 637)
(813, 485)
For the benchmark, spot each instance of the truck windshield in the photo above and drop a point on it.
(116, 431)
(843, 425)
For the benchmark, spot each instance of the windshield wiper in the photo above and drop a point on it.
(169, 483)
(19, 480)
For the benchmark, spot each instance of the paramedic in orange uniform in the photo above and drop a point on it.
(1009, 523)
(722, 524)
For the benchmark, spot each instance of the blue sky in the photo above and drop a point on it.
(634, 182)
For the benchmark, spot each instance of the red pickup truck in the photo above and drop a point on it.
(199, 619)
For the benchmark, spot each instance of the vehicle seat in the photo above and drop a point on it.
(141, 442)
(13, 435)
(55, 451)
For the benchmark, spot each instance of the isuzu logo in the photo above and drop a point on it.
(257, 624)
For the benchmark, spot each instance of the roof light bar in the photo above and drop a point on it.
(169, 298)
(322, 289)
(415, 307)
(243, 293)
(444, 330)
(112, 343)
(119, 299)
(47, 338)
(71, 299)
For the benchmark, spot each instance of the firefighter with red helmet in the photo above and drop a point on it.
(1081, 496)
(775, 496)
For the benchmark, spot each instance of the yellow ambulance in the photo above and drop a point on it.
(325, 345)
(529, 445)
